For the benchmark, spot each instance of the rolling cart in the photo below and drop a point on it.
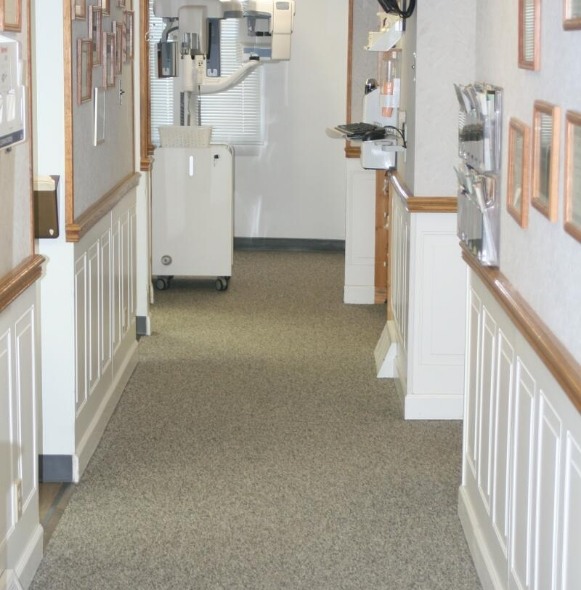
(192, 214)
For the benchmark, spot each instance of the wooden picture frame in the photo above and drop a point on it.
(11, 15)
(572, 15)
(84, 70)
(121, 4)
(529, 34)
(79, 9)
(96, 33)
(546, 133)
(109, 60)
(573, 174)
(118, 29)
(130, 34)
(519, 161)
(105, 6)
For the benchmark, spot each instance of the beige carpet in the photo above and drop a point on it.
(255, 449)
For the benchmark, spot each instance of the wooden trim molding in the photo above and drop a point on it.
(564, 368)
(75, 231)
(146, 148)
(352, 151)
(422, 204)
(19, 279)
(68, 92)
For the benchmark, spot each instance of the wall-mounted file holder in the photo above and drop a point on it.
(479, 148)
(479, 216)
(46, 223)
(480, 126)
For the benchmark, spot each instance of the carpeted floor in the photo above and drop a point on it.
(254, 448)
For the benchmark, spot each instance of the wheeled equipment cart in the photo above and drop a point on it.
(192, 214)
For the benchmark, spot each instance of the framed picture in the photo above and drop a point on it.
(10, 15)
(546, 158)
(105, 6)
(129, 34)
(519, 159)
(573, 174)
(122, 3)
(572, 18)
(96, 33)
(99, 104)
(529, 34)
(120, 46)
(108, 60)
(84, 70)
(79, 9)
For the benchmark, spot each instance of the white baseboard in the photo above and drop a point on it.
(91, 438)
(29, 561)
(481, 557)
(386, 352)
(433, 407)
(359, 295)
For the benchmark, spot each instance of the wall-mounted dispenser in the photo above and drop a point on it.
(12, 94)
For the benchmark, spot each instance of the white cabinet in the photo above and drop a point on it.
(359, 236)
(192, 212)
(520, 499)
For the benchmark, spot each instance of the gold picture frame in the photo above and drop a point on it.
(129, 33)
(118, 29)
(79, 9)
(11, 15)
(84, 70)
(105, 6)
(519, 161)
(573, 174)
(96, 33)
(546, 133)
(529, 34)
(109, 60)
(572, 15)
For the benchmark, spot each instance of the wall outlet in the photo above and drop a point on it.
(18, 487)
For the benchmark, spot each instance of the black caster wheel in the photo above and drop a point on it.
(222, 283)
(162, 283)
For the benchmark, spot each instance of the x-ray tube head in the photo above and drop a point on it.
(167, 59)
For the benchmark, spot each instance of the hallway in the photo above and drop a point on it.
(254, 448)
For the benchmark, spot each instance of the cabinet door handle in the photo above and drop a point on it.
(191, 170)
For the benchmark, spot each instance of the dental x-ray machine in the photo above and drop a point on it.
(192, 196)
(190, 45)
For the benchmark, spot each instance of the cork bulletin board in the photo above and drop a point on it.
(100, 107)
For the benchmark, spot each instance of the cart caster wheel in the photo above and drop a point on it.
(222, 283)
(161, 284)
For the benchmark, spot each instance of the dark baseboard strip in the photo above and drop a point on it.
(289, 244)
(141, 325)
(55, 468)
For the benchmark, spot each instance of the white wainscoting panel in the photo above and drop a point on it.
(20, 531)
(571, 569)
(100, 268)
(428, 291)
(520, 499)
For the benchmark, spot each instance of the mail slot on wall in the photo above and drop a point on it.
(46, 224)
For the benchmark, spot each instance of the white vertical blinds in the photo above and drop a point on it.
(235, 115)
